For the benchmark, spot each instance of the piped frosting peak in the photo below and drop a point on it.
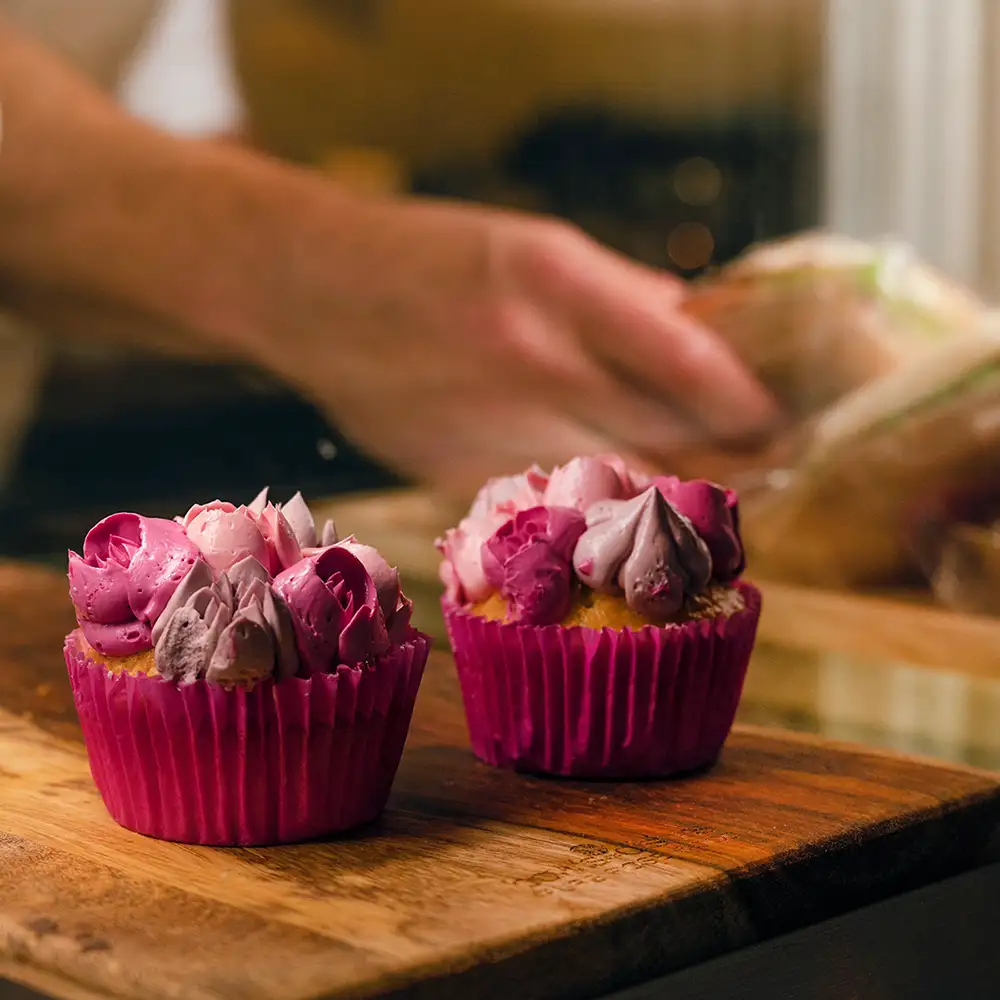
(532, 538)
(645, 550)
(235, 594)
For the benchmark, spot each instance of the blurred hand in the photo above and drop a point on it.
(454, 343)
(458, 343)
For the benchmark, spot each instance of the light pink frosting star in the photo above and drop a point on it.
(577, 485)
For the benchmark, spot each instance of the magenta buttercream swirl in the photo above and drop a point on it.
(645, 550)
(335, 610)
(236, 594)
(396, 607)
(130, 567)
(529, 561)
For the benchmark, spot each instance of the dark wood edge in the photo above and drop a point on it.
(934, 942)
(644, 938)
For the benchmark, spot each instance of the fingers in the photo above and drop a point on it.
(669, 288)
(633, 325)
(556, 367)
(458, 440)
(631, 419)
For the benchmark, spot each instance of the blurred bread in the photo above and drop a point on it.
(967, 574)
(899, 451)
(815, 316)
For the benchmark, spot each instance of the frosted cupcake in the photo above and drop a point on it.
(240, 677)
(599, 621)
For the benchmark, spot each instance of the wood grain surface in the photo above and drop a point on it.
(475, 882)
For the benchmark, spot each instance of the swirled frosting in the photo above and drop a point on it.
(644, 549)
(714, 513)
(396, 607)
(576, 485)
(335, 609)
(130, 567)
(300, 519)
(226, 534)
(229, 629)
(658, 543)
(236, 594)
(529, 560)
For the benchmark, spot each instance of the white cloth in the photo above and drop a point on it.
(183, 79)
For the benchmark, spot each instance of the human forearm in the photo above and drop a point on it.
(110, 226)
(451, 341)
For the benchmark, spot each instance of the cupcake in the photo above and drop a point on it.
(241, 678)
(600, 625)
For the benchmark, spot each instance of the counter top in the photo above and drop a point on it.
(475, 882)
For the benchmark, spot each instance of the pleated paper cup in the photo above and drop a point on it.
(285, 761)
(609, 703)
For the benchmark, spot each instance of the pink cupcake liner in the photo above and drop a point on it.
(286, 761)
(584, 703)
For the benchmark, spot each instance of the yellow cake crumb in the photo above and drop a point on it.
(145, 663)
(493, 609)
(597, 611)
(134, 665)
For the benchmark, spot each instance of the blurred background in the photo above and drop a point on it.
(682, 132)
(679, 131)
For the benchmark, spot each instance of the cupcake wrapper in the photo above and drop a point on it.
(585, 703)
(285, 761)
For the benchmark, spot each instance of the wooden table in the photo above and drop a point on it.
(795, 868)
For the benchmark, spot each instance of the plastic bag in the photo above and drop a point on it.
(883, 474)
(966, 576)
(816, 316)
(891, 375)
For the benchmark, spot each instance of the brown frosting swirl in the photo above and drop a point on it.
(644, 549)
(231, 630)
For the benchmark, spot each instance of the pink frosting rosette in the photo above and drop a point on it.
(495, 504)
(529, 560)
(226, 534)
(334, 607)
(130, 567)
(396, 607)
(586, 481)
(577, 485)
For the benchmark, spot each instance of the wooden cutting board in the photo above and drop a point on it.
(476, 882)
